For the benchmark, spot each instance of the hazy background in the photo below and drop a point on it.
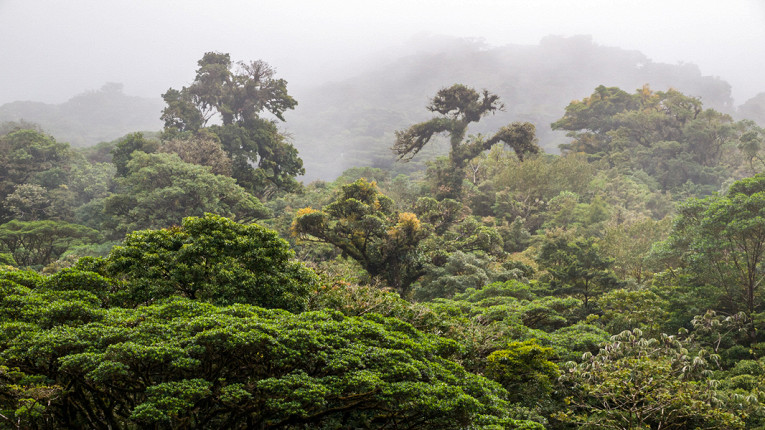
(51, 50)
(91, 71)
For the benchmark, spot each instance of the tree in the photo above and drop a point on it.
(458, 106)
(721, 238)
(481, 321)
(441, 215)
(28, 202)
(160, 190)
(30, 157)
(90, 181)
(524, 369)
(262, 159)
(595, 113)
(24, 399)
(210, 258)
(751, 140)
(361, 222)
(637, 383)
(459, 272)
(576, 266)
(665, 134)
(202, 150)
(123, 151)
(37, 243)
(643, 118)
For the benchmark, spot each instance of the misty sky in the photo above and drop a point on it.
(51, 50)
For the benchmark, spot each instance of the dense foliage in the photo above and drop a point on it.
(261, 157)
(211, 259)
(188, 364)
(617, 285)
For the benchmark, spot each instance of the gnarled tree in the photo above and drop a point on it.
(361, 222)
(458, 106)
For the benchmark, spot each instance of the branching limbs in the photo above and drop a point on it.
(521, 136)
(459, 106)
(410, 141)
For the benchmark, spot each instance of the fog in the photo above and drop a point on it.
(51, 50)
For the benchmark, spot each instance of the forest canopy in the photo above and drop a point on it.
(186, 279)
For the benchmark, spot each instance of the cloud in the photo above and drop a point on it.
(52, 50)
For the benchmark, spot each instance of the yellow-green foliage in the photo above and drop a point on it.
(523, 368)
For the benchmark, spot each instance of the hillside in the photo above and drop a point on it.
(91, 117)
(351, 122)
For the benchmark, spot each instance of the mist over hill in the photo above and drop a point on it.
(753, 109)
(91, 117)
(351, 121)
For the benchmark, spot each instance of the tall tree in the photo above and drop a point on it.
(262, 159)
(458, 107)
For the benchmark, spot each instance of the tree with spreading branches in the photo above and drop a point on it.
(458, 106)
